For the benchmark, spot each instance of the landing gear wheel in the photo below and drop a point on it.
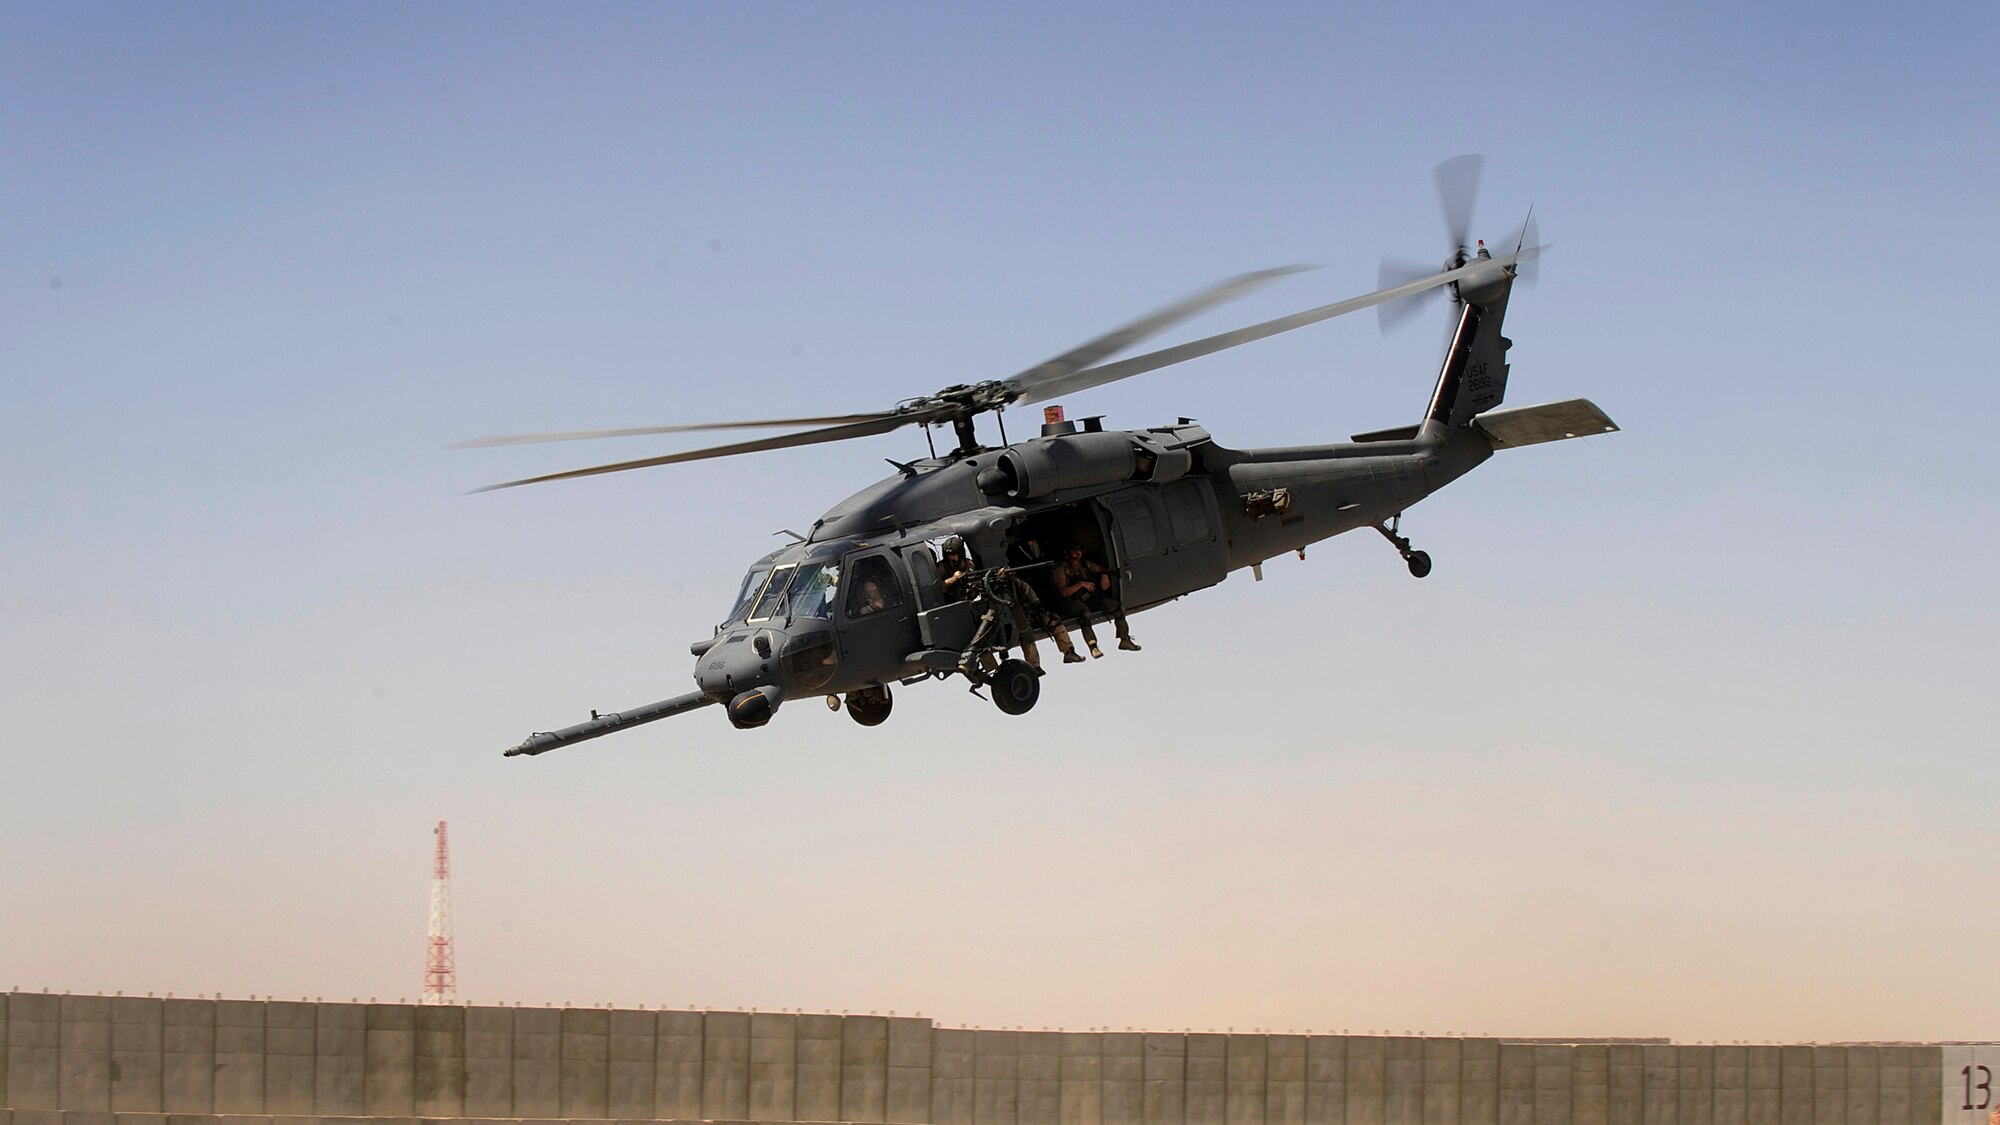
(869, 706)
(1016, 686)
(1420, 564)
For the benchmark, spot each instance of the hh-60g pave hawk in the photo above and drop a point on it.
(857, 605)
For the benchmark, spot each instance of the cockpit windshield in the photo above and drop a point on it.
(813, 590)
(802, 590)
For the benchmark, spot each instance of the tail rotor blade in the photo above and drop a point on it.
(1527, 239)
(1395, 272)
(1458, 189)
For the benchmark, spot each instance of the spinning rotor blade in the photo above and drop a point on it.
(640, 431)
(1118, 339)
(1458, 189)
(1528, 270)
(880, 424)
(1166, 357)
(1391, 315)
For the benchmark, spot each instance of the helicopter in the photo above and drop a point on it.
(859, 605)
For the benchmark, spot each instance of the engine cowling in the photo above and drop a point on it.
(1039, 468)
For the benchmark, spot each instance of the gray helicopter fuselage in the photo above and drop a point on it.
(1167, 510)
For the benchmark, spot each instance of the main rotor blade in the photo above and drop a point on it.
(1118, 339)
(879, 425)
(640, 431)
(1167, 357)
(1458, 189)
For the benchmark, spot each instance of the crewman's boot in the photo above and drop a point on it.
(1125, 641)
(1032, 655)
(1061, 636)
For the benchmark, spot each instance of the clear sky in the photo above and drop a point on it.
(1691, 732)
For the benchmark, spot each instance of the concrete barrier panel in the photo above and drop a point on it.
(1552, 1085)
(1762, 1070)
(1863, 1086)
(1479, 1082)
(340, 1035)
(996, 1077)
(1326, 1080)
(585, 1047)
(537, 1063)
(1246, 1074)
(1926, 1084)
(1040, 1095)
(1164, 1100)
(725, 1066)
(1729, 1097)
(288, 1057)
(1663, 1085)
(816, 1089)
(33, 1031)
(629, 1071)
(1403, 1080)
(1285, 1080)
(1081, 1077)
(1829, 1086)
(489, 1062)
(137, 1040)
(1124, 1096)
(1517, 1084)
(1206, 1096)
(952, 1074)
(677, 1044)
(84, 1053)
(1893, 1086)
(774, 1066)
(438, 1070)
(187, 1034)
(1442, 1063)
(1697, 1096)
(3, 1060)
(1627, 1084)
(1590, 1085)
(239, 1056)
(389, 1074)
(907, 1098)
(1795, 1086)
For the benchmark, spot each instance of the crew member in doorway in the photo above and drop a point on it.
(955, 572)
(1085, 588)
(1031, 581)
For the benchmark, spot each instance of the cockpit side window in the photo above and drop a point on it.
(753, 584)
(872, 586)
(772, 600)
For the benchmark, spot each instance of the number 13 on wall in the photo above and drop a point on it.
(1971, 1095)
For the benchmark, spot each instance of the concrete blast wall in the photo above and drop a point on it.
(106, 1060)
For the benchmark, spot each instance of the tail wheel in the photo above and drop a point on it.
(870, 706)
(1420, 564)
(1016, 687)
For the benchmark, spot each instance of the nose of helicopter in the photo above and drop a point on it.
(739, 662)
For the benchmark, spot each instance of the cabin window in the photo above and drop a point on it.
(872, 586)
(1187, 513)
(1132, 520)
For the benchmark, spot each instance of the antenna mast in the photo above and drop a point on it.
(440, 975)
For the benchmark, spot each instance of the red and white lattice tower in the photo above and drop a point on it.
(440, 975)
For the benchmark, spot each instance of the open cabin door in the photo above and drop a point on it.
(1166, 540)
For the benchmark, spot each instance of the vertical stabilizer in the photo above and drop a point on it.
(1474, 376)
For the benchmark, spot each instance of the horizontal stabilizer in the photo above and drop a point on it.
(1553, 421)
(1400, 433)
